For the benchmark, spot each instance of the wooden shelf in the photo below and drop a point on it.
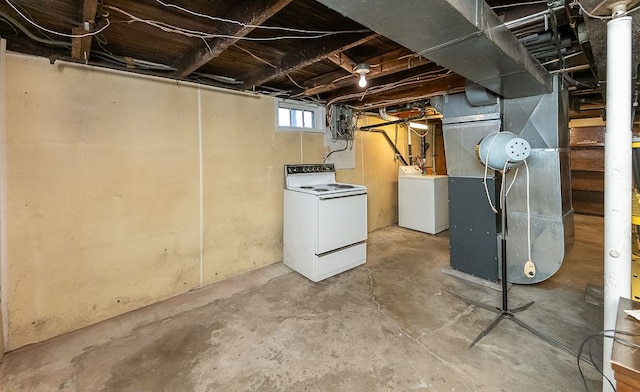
(587, 180)
(587, 137)
(588, 202)
(587, 169)
(587, 159)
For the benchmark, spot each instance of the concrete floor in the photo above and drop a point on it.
(389, 325)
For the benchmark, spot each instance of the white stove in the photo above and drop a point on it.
(325, 222)
(328, 189)
(317, 179)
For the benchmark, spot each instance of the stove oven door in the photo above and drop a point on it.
(342, 221)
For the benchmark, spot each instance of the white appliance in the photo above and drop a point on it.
(423, 200)
(325, 222)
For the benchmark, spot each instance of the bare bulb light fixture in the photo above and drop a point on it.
(362, 70)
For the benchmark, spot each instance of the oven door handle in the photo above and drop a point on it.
(341, 197)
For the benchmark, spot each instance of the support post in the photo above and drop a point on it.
(617, 167)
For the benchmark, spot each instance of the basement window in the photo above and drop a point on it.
(296, 116)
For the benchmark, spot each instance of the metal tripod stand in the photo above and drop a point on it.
(505, 312)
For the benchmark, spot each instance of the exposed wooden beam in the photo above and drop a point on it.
(450, 83)
(250, 13)
(589, 113)
(81, 47)
(375, 61)
(343, 61)
(386, 64)
(317, 50)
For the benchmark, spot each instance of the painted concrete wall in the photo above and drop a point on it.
(102, 196)
(243, 161)
(123, 191)
(377, 168)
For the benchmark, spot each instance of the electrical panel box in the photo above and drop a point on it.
(342, 123)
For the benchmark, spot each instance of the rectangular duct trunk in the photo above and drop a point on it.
(464, 36)
(463, 126)
(542, 121)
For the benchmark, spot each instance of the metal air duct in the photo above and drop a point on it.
(542, 121)
(464, 36)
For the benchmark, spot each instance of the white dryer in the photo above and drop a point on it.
(423, 200)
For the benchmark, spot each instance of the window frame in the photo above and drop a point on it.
(319, 114)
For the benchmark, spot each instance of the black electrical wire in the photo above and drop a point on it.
(576, 83)
(346, 145)
(595, 366)
(590, 339)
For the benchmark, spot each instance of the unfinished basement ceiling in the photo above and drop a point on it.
(297, 49)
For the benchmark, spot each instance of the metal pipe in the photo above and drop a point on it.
(393, 146)
(398, 121)
(409, 145)
(537, 47)
(387, 117)
(617, 179)
(513, 24)
(551, 53)
(536, 38)
(571, 69)
(434, 167)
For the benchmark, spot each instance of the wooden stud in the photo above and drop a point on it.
(81, 47)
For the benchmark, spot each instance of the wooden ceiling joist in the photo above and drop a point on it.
(450, 83)
(152, 37)
(249, 13)
(81, 46)
(343, 61)
(317, 50)
(386, 64)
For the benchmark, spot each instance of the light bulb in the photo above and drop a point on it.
(363, 81)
